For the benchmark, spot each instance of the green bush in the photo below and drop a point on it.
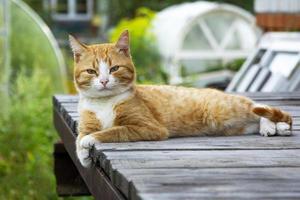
(142, 45)
(235, 65)
(26, 137)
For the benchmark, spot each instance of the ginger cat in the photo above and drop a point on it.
(114, 109)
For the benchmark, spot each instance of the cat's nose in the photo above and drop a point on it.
(104, 82)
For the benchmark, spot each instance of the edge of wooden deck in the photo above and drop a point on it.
(98, 183)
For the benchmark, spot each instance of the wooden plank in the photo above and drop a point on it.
(222, 196)
(279, 104)
(271, 95)
(135, 183)
(96, 180)
(116, 160)
(207, 143)
(255, 158)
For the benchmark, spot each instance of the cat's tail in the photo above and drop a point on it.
(271, 113)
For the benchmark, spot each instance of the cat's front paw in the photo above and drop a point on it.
(88, 141)
(84, 157)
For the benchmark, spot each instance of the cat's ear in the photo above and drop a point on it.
(77, 47)
(122, 44)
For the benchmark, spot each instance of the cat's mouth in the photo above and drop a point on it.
(103, 88)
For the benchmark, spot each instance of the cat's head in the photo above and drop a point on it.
(104, 69)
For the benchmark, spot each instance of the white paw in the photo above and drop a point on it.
(84, 158)
(88, 142)
(283, 129)
(267, 127)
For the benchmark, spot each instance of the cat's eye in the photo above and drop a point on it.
(113, 69)
(91, 71)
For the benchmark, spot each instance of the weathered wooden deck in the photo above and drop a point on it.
(241, 167)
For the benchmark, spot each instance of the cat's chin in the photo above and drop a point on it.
(103, 92)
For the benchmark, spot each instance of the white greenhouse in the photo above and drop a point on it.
(194, 37)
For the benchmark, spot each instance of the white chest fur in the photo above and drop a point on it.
(103, 107)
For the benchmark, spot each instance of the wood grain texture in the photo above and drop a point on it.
(209, 183)
(239, 167)
(207, 143)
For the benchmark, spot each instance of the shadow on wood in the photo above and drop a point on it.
(68, 179)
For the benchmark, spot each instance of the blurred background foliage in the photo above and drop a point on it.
(30, 48)
(127, 9)
(26, 130)
(142, 46)
(26, 137)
